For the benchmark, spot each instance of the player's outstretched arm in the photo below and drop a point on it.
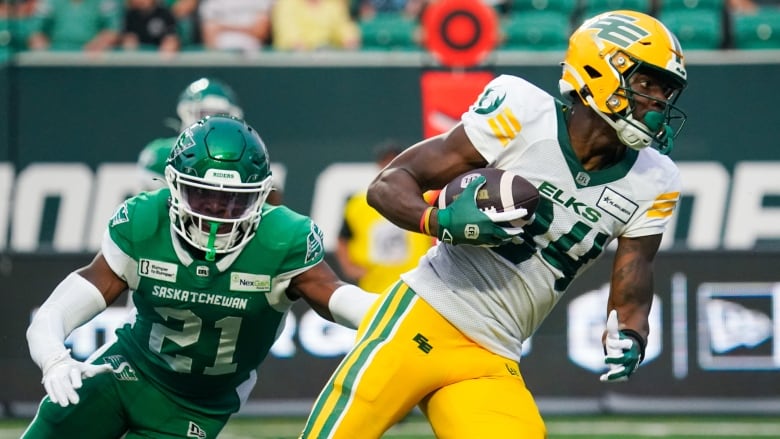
(330, 297)
(76, 300)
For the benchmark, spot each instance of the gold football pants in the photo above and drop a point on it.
(408, 354)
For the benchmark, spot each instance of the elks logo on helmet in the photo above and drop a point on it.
(620, 30)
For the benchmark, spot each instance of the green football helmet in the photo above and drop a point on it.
(219, 176)
(205, 97)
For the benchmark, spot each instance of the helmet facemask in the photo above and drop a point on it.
(654, 128)
(212, 217)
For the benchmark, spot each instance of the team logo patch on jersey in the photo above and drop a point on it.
(314, 248)
(123, 371)
(250, 282)
(617, 205)
(582, 178)
(120, 216)
(489, 101)
(159, 270)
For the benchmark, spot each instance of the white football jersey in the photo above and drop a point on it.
(499, 296)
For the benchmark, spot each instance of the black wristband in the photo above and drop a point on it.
(639, 340)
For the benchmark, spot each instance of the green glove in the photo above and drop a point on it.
(463, 223)
(624, 351)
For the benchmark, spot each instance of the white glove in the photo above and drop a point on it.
(624, 351)
(63, 375)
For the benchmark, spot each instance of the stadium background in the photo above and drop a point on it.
(73, 127)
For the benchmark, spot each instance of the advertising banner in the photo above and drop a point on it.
(715, 328)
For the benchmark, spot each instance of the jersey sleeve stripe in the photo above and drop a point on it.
(669, 196)
(505, 126)
(659, 213)
(664, 205)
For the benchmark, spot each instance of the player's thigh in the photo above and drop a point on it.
(388, 372)
(160, 418)
(97, 415)
(155, 413)
(490, 407)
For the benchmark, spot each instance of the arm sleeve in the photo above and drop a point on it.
(73, 302)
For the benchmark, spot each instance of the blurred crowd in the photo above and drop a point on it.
(171, 26)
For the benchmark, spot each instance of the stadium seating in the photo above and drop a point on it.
(538, 24)
(757, 31)
(698, 24)
(389, 31)
(696, 29)
(14, 33)
(595, 7)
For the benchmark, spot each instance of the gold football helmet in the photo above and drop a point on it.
(604, 52)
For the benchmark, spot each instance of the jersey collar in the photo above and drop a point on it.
(581, 177)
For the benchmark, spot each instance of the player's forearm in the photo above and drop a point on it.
(398, 197)
(73, 302)
(632, 288)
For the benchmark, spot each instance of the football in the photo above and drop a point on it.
(502, 191)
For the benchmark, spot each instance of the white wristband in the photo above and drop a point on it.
(349, 304)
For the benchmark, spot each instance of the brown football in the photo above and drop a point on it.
(502, 191)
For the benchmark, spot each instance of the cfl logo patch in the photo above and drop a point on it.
(471, 231)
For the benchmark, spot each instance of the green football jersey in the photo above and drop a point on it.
(203, 327)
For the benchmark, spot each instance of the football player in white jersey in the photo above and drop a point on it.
(448, 335)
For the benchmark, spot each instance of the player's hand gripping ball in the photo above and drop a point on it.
(486, 207)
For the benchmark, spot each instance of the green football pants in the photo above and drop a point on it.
(123, 402)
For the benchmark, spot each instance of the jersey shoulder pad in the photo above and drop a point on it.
(283, 230)
(510, 114)
(659, 171)
(140, 217)
(508, 91)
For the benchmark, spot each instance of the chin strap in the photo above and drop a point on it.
(633, 133)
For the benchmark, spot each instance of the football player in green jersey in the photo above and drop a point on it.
(202, 97)
(448, 336)
(213, 270)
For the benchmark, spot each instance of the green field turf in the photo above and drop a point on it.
(579, 427)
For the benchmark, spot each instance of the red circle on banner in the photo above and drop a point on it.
(460, 33)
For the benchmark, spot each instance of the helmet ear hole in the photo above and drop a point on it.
(593, 73)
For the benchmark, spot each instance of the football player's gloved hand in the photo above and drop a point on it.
(463, 223)
(624, 351)
(63, 375)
